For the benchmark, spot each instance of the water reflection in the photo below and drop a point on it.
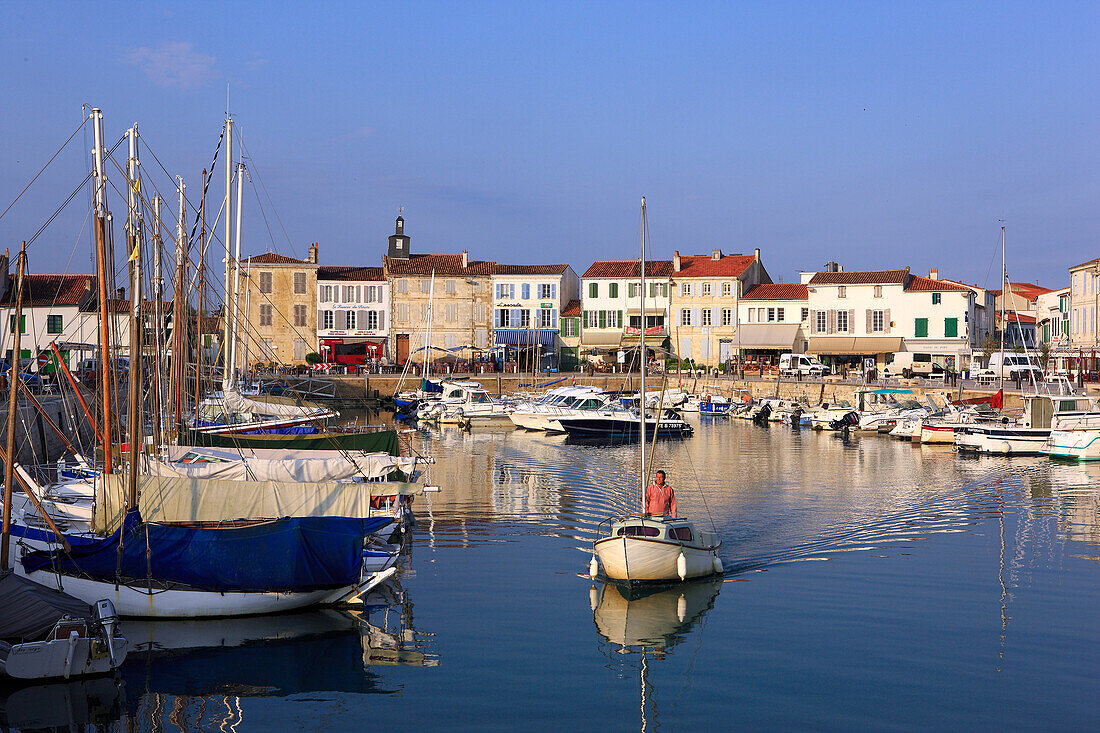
(92, 704)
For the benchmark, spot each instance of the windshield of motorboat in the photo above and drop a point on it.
(589, 404)
(480, 397)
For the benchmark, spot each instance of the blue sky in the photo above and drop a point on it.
(878, 135)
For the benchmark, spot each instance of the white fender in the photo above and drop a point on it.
(593, 568)
(682, 566)
(593, 598)
(718, 565)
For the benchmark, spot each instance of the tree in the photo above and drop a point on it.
(989, 345)
(1044, 355)
(313, 358)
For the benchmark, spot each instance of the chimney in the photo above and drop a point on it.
(465, 260)
(757, 254)
(313, 254)
(676, 261)
(121, 293)
(934, 274)
(716, 254)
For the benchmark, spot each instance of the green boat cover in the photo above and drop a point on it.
(382, 441)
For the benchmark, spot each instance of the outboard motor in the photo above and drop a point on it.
(761, 417)
(108, 618)
(796, 418)
(847, 420)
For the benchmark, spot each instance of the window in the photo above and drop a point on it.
(327, 319)
(727, 316)
(920, 328)
(544, 318)
(403, 311)
(842, 321)
(502, 291)
(727, 289)
(299, 349)
(614, 319)
(685, 316)
(706, 289)
(426, 285)
(842, 292)
(267, 348)
(633, 289)
(680, 533)
(805, 314)
(878, 321)
(771, 314)
(424, 308)
(351, 294)
(752, 315)
(569, 327)
(546, 290)
(452, 286)
(372, 320)
(54, 324)
(479, 313)
(299, 284)
(658, 288)
(349, 319)
(593, 290)
(402, 286)
(878, 291)
(950, 327)
(706, 316)
(300, 315)
(936, 298)
(326, 293)
(503, 318)
(265, 315)
(779, 314)
(590, 320)
(451, 313)
(613, 290)
(685, 290)
(265, 282)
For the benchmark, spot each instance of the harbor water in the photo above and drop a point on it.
(869, 584)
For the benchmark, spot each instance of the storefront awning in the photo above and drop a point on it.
(601, 338)
(649, 311)
(855, 345)
(524, 337)
(766, 336)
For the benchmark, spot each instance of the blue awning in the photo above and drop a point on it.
(523, 337)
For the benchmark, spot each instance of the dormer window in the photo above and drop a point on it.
(842, 292)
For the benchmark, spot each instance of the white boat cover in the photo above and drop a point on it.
(181, 499)
(279, 465)
(269, 405)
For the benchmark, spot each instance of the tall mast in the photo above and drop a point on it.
(102, 261)
(158, 322)
(202, 288)
(234, 312)
(228, 242)
(13, 406)
(179, 297)
(247, 304)
(642, 361)
(1004, 295)
(133, 409)
(428, 345)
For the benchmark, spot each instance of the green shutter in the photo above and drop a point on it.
(593, 290)
(950, 327)
(613, 290)
(935, 298)
(921, 328)
(620, 319)
(603, 319)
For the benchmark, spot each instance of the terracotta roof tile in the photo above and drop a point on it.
(778, 291)
(442, 265)
(573, 309)
(705, 266)
(529, 269)
(330, 272)
(862, 277)
(628, 268)
(51, 289)
(271, 258)
(1029, 289)
(927, 284)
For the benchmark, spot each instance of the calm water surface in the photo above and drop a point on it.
(869, 584)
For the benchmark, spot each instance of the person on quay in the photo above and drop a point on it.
(660, 499)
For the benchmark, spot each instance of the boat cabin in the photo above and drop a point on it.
(669, 530)
(1039, 410)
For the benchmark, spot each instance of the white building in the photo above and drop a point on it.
(610, 307)
(773, 319)
(526, 302)
(352, 303)
(870, 314)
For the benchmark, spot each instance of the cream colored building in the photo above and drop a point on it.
(703, 302)
(461, 300)
(1084, 305)
(278, 306)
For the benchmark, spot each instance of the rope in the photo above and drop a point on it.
(43, 168)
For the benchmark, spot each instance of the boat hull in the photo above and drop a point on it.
(1004, 441)
(1073, 445)
(622, 429)
(645, 560)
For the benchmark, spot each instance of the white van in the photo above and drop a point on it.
(802, 364)
(908, 364)
(1009, 366)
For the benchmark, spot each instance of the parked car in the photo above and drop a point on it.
(802, 364)
(1011, 366)
(30, 379)
(909, 364)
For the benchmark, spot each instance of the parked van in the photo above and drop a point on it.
(908, 364)
(1010, 366)
(802, 364)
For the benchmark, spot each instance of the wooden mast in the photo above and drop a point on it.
(133, 409)
(179, 321)
(202, 287)
(158, 324)
(13, 406)
(103, 276)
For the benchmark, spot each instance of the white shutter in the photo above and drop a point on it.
(696, 316)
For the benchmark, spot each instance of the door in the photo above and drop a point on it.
(725, 351)
(402, 348)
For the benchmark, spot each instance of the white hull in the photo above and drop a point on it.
(1078, 445)
(641, 559)
(1022, 441)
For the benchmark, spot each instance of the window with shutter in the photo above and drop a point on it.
(265, 282)
(920, 328)
(603, 319)
(299, 282)
(593, 290)
(613, 290)
(950, 327)
(265, 315)
(832, 321)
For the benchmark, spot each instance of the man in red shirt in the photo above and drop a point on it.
(660, 499)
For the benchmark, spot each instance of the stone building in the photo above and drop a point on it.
(461, 300)
(526, 302)
(278, 306)
(353, 306)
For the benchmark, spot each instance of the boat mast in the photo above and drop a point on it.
(133, 409)
(179, 327)
(13, 405)
(202, 287)
(1004, 294)
(227, 378)
(428, 344)
(103, 276)
(158, 323)
(234, 313)
(642, 362)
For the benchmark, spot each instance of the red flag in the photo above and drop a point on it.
(998, 401)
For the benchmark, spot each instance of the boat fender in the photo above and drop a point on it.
(718, 569)
(1006, 448)
(593, 568)
(681, 566)
(681, 608)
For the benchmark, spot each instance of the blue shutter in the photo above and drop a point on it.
(514, 317)
(553, 318)
(554, 292)
(512, 291)
(496, 318)
(525, 291)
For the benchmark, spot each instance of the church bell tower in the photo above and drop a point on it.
(399, 243)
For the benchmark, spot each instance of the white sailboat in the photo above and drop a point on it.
(642, 548)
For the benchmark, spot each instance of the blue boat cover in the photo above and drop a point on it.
(289, 554)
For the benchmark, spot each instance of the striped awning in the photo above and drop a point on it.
(525, 337)
(855, 345)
